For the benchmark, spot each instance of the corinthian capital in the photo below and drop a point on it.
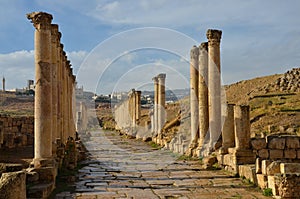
(40, 19)
(215, 35)
(194, 53)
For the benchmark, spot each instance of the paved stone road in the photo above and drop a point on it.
(123, 168)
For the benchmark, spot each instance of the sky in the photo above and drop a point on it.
(119, 45)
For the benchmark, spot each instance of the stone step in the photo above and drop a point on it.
(40, 191)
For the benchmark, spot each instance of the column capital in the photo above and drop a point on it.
(161, 76)
(194, 52)
(214, 35)
(203, 46)
(40, 20)
(155, 79)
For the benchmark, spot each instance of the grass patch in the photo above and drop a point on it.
(267, 192)
(154, 145)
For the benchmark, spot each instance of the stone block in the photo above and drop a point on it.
(292, 142)
(258, 143)
(289, 168)
(298, 154)
(258, 165)
(273, 168)
(262, 181)
(263, 153)
(276, 142)
(248, 171)
(272, 184)
(264, 165)
(276, 154)
(288, 185)
(13, 185)
(290, 153)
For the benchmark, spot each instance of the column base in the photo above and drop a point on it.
(42, 162)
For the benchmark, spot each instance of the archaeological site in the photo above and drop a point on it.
(219, 141)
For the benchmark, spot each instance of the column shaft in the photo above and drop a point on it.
(161, 102)
(228, 128)
(43, 88)
(155, 110)
(214, 84)
(203, 92)
(194, 56)
(138, 106)
(242, 127)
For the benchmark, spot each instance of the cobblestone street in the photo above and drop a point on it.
(126, 168)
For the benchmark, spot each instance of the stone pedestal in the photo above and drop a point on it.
(194, 56)
(203, 92)
(214, 84)
(43, 89)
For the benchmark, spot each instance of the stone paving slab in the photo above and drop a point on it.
(127, 168)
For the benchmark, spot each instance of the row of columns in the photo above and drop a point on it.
(54, 90)
(134, 99)
(205, 90)
(159, 115)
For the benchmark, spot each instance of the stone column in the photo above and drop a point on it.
(194, 56)
(74, 103)
(242, 127)
(54, 58)
(203, 92)
(43, 89)
(65, 97)
(228, 136)
(138, 106)
(161, 117)
(60, 95)
(214, 84)
(155, 105)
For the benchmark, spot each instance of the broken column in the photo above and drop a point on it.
(155, 110)
(43, 89)
(194, 53)
(203, 92)
(138, 106)
(242, 127)
(228, 137)
(214, 85)
(161, 102)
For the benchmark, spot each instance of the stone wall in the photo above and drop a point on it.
(13, 185)
(16, 131)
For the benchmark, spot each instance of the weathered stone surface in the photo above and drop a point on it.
(272, 184)
(292, 142)
(263, 153)
(273, 168)
(276, 154)
(275, 142)
(262, 181)
(264, 165)
(290, 153)
(289, 168)
(258, 143)
(13, 185)
(248, 171)
(288, 185)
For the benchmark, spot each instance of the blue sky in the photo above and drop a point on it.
(118, 45)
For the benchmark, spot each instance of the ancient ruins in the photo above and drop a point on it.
(219, 133)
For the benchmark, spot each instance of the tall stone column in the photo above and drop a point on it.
(242, 127)
(54, 58)
(203, 92)
(155, 111)
(214, 84)
(161, 117)
(65, 97)
(138, 106)
(59, 89)
(74, 104)
(43, 89)
(228, 136)
(194, 56)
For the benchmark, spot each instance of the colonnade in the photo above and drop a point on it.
(54, 90)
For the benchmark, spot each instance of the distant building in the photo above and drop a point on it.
(3, 84)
